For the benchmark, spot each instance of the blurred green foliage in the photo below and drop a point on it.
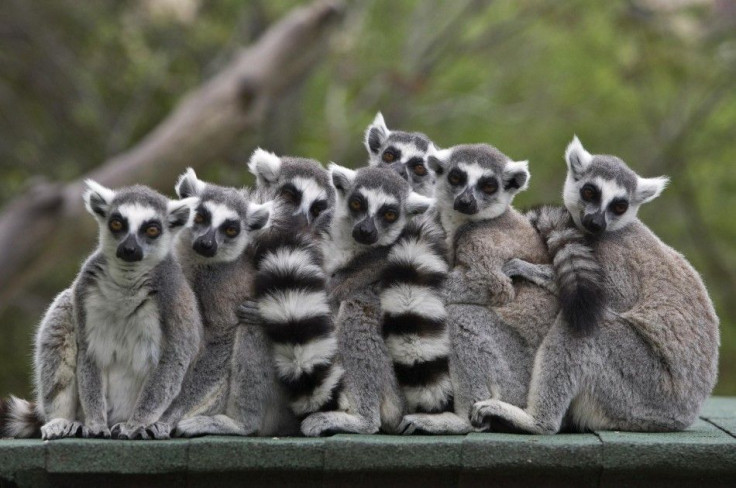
(650, 81)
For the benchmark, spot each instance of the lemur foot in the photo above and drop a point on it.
(60, 428)
(446, 423)
(96, 431)
(133, 431)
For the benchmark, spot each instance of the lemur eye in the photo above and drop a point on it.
(116, 225)
(619, 208)
(198, 218)
(388, 157)
(588, 193)
(232, 231)
(317, 208)
(489, 188)
(355, 204)
(289, 195)
(153, 231)
(453, 178)
(420, 170)
(390, 216)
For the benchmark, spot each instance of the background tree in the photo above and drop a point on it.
(648, 80)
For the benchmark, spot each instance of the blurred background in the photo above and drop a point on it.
(85, 85)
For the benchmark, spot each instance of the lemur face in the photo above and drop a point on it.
(302, 185)
(373, 205)
(223, 219)
(602, 193)
(477, 182)
(137, 224)
(403, 152)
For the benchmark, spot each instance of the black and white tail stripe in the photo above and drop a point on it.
(19, 418)
(292, 302)
(578, 273)
(414, 318)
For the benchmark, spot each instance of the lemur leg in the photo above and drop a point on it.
(556, 380)
(55, 363)
(540, 274)
(200, 425)
(253, 382)
(445, 423)
(480, 366)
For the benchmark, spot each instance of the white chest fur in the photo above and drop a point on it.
(123, 333)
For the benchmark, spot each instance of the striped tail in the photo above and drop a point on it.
(578, 273)
(19, 418)
(292, 301)
(414, 318)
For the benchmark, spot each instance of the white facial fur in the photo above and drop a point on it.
(311, 192)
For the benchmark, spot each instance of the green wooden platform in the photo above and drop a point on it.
(704, 455)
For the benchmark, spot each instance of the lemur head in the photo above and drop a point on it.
(404, 152)
(302, 185)
(224, 219)
(602, 193)
(476, 181)
(137, 224)
(373, 205)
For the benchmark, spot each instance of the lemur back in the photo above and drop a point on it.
(112, 350)
(652, 361)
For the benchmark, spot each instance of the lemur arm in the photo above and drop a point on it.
(181, 326)
(89, 376)
(542, 275)
(478, 279)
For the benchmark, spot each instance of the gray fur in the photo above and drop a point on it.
(653, 361)
(496, 324)
(231, 387)
(112, 350)
(409, 149)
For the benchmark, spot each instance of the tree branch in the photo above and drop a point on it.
(205, 124)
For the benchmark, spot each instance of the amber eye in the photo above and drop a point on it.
(587, 193)
(620, 208)
(420, 170)
(389, 157)
(316, 208)
(390, 215)
(153, 231)
(232, 231)
(198, 218)
(115, 225)
(489, 188)
(454, 179)
(355, 204)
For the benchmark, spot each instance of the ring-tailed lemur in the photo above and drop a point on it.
(369, 230)
(652, 362)
(231, 388)
(300, 184)
(404, 152)
(112, 350)
(496, 324)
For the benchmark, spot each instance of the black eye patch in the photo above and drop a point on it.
(318, 207)
(391, 155)
(357, 203)
(291, 194)
(457, 177)
(488, 185)
(590, 193)
(202, 216)
(117, 223)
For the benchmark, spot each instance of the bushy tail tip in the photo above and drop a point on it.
(19, 418)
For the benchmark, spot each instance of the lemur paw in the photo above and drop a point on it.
(192, 427)
(60, 428)
(135, 431)
(96, 431)
(248, 312)
(483, 413)
(515, 267)
(503, 294)
(318, 425)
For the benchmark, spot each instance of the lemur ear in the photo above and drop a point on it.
(577, 158)
(265, 166)
(97, 198)
(376, 134)
(647, 189)
(342, 178)
(516, 176)
(188, 185)
(179, 212)
(437, 159)
(258, 215)
(418, 204)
